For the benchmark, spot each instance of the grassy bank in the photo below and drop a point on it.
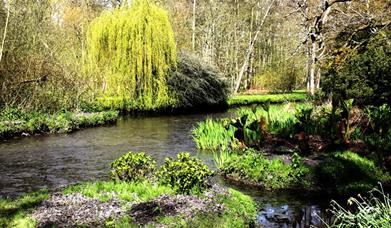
(14, 122)
(140, 195)
(239, 100)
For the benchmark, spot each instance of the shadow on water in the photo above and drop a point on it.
(53, 161)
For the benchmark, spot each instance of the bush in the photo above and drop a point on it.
(363, 74)
(186, 174)
(196, 83)
(133, 167)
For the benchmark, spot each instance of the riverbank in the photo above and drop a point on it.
(15, 122)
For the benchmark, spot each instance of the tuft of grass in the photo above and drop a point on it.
(272, 98)
(132, 192)
(374, 211)
(220, 134)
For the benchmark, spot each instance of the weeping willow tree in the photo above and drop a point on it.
(130, 53)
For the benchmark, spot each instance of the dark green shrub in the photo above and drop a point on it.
(197, 84)
(133, 167)
(363, 74)
(186, 174)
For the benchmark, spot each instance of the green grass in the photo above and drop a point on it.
(348, 173)
(14, 122)
(14, 213)
(272, 98)
(131, 192)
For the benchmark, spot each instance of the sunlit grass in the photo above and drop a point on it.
(13, 213)
(132, 192)
(272, 98)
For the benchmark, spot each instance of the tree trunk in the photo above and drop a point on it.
(312, 66)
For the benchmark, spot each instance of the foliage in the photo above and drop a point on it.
(362, 74)
(281, 78)
(131, 51)
(271, 174)
(132, 167)
(128, 191)
(273, 98)
(374, 211)
(196, 83)
(379, 135)
(186, 174)
(42, 59)
(248, 128)
(347, 172)
(14, 122)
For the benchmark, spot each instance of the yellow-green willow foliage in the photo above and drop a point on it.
(131, 50)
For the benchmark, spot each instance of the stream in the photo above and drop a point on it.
(54, 161)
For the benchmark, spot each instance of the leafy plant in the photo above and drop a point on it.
(186, 174)
(255, 168)
(213, 135)
(133, 167)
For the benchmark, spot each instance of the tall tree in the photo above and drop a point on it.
(131, 50)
